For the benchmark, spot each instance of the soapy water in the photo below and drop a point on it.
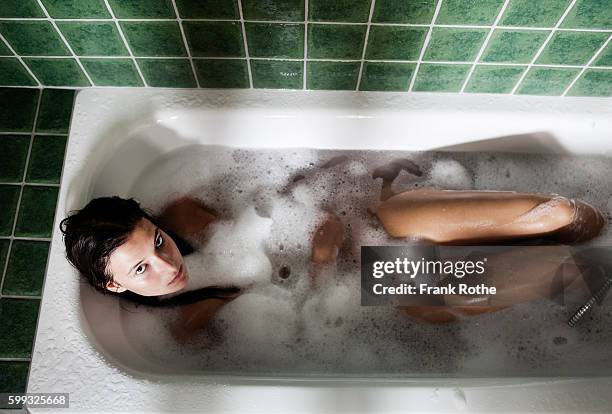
(290, 321)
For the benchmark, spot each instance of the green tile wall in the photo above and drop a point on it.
(33, 133)
(551, 47)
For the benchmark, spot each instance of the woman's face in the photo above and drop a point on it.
(148, 263)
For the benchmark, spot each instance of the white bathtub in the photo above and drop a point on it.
(115, 133)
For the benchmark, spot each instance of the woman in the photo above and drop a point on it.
(120, 248)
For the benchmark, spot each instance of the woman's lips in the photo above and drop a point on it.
(178, 276)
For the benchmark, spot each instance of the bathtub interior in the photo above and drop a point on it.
(126, 147)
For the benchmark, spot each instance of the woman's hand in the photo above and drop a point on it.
(327, 240)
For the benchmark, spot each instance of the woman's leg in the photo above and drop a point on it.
(478, 217)
(465, 217)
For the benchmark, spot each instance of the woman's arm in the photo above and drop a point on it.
(187, 217)
(448, 216)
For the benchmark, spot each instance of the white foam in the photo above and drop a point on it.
(234, 255)
(450, 174)
(261, 325)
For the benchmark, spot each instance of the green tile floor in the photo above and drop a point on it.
(33, 134)
(548, 47)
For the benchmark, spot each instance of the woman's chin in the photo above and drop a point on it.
(183, 283)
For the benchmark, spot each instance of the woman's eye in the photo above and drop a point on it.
(159, 241)
(141, 269)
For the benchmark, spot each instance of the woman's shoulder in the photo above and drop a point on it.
(186, 217)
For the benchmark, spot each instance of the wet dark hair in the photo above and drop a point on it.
(94, 232)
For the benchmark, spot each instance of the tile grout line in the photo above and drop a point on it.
(9, 359)
(125, 42)
(43, 239)
(454, 62)
(424, 47)
(61, 35)
(72, 88)
(458, 26)
(587, 66)
(365, 44)
(305, 67)
(22, 185)
(180, 23)
(484, 45)
(33, 297)
(604, 68)
(31, 183)
(45, 134)
(20, 59)
(441, 62)
(541, 49)
(246, 45)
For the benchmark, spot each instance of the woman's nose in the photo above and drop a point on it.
(162, 263)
